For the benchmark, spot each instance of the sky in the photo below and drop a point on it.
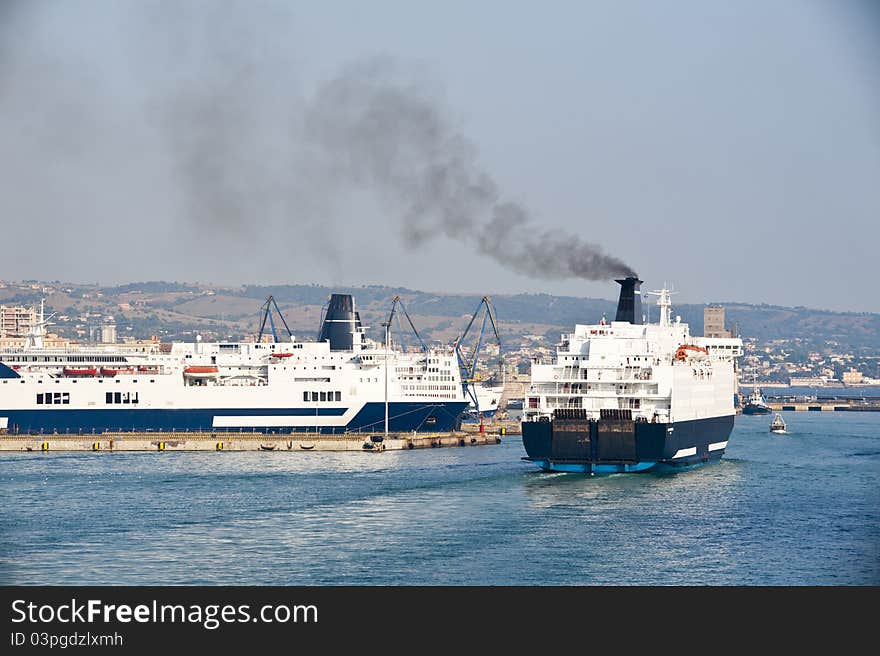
(728, 150)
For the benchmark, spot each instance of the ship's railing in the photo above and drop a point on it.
(599, 394)
(635, 377)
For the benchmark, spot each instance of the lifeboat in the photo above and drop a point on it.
(73, 371)
(690, 350)
(105, 371)
(200, 372)
(281, 355)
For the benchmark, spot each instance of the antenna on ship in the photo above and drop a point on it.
(387, 326)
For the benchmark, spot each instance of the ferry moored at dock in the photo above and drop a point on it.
(343, 382)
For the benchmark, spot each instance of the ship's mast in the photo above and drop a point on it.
(38, 329)
(664, 302)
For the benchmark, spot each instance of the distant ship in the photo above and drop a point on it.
(340, 383)
(627, 396)
(488, 397)
(755, 404)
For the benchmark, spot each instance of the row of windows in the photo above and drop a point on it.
(69, 358)
(53, 398)
(121, 397)
(429, 387)
(322, 396)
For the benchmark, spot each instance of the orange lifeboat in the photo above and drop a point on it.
(105, 371)
(689, 349)
(73, 371)
(200, 372)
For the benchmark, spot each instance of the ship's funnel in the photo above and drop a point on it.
(629, 306)
(339, 323)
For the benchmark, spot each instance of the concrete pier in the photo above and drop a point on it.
(224, 441)
(824, 406)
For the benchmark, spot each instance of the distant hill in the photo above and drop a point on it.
(176, 310)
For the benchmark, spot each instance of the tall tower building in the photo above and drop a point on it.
(713, 322)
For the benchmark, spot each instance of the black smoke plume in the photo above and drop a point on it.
(374, 128)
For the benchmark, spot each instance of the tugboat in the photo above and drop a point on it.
(628, 396)
(778, 424)
(755, 404)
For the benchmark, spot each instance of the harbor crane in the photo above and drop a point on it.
(469, 344)
(266, 314)
(397, 302)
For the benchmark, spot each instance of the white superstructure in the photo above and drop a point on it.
(657, 372)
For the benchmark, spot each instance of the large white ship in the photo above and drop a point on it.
(628, 396)
(340, 383)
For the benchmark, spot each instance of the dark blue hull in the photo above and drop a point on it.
(402, 417)
(592, 447)
(752, 409)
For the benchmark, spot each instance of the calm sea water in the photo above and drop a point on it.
(802, 508)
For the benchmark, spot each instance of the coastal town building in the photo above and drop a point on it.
(16, 321)
(713, 321)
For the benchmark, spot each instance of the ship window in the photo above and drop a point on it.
(65, 398)
(39, 399)
(117, 397)
(109, 397)
(56, 397)
(338, 396)
(314, 396)
(305, 396)
(323, 396)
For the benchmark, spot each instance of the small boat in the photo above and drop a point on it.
(778, 424)
(267, 447)
(755, 403)
(281, 355)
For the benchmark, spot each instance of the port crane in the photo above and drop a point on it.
(397, 302)
(266, 314)
(469, 344)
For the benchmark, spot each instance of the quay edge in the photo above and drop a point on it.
(220, 442)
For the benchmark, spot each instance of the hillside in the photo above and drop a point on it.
(173, 310)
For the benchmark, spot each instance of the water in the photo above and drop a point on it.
(802, 508)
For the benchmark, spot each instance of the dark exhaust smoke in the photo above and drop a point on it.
(370, 127)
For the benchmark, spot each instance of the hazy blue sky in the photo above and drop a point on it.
(731, 149)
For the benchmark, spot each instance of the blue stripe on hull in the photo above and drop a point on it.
(627, 468)
(403, 417)
(587, 468)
